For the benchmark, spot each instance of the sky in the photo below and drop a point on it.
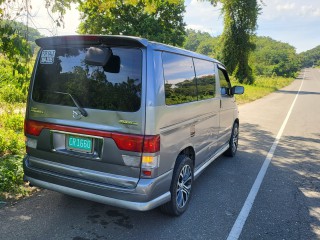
(296, 22)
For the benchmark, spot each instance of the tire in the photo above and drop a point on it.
(233, 142)
(180, 188)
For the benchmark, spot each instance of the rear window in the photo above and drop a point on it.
(63, 72)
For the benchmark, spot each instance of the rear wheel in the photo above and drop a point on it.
(233, 142)
(181, 186)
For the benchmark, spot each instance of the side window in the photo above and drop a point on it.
(180, 82)
(206, 81)
(225, 85)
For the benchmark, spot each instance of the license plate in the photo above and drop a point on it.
(80, 144)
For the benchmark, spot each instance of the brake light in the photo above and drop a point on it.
(33, 128)
(73, 39)
(137, 143)
(126, 142)
(85, 38)
(132, 143)
(151, 144)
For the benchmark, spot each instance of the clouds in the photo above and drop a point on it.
(283, 9)
(295, 22)
(201, 15)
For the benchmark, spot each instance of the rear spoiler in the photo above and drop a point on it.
(92, 40)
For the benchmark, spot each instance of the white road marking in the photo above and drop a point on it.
(243, 215)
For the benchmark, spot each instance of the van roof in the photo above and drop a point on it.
(118, 39)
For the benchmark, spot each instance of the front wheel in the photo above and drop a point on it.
(180, 188)
(233, 142)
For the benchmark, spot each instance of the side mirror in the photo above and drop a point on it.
(98, 56)
(237, 90)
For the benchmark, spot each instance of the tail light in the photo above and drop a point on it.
(149, 146)
(126, 142)
(137, 143)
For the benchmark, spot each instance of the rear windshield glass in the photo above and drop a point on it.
(63, 74)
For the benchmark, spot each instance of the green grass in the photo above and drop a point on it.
(261, 87)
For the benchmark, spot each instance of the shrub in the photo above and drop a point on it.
(12, 149)
(11, 174)
(11, 94)
(11, 142)
(14, 122)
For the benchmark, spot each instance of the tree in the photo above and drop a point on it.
(202, 42)
(14, 44)
(194, 38)
(164, 24)
(240, 22)
(272, 57)
(311, 57)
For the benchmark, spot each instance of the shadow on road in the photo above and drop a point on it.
(288, 201)
(295, 92)
(287, 204)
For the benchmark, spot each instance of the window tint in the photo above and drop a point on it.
(224, 83)
(206, 83)
(62, 72)
(180, 82)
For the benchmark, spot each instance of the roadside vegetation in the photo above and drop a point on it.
(261, 87)
(12, 149)
(13, 92)
(265, 66)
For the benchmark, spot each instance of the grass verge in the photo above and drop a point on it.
(261, 87)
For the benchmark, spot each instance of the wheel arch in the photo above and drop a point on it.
(189, 152)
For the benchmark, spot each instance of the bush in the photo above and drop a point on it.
(11, 174)
(11, 94)
(12, 148)
(11, 132)
(14, 122)
(11, 142)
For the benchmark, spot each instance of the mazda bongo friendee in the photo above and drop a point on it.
(125, 121)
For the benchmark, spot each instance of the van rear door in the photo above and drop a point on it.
(85, 114)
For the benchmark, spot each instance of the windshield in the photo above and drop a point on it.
(96, 87)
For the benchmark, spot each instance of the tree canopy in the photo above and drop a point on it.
(164, 24)
(272, 57)
(240, 22)
(311, 57)
(269, 58)
(202, 42)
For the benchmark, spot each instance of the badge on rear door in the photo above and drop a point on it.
(76, 114)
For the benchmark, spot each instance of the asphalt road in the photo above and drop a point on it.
(286, 206)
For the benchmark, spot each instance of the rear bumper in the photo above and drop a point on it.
(148, 193)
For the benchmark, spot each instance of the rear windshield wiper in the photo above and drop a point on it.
(76, 103)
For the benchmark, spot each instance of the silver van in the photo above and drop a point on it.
(125, 121)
